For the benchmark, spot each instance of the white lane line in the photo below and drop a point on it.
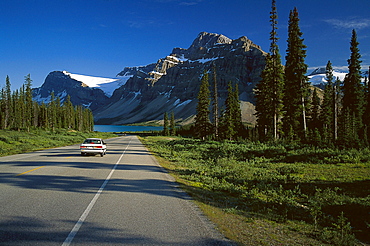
(79, 223)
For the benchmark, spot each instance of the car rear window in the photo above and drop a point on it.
(91, 141)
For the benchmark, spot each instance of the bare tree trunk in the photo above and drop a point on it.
(215, 103)
(304, 117)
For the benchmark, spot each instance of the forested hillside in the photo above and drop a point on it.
(20, 112)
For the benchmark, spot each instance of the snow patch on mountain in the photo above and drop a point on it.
(318, 76)
(108, 85)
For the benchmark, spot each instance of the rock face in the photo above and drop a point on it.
(170, 85)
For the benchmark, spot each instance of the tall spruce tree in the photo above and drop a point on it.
(296, 82)
(7, 103)
(228, 129)
(337, 98)
(172, 124)
(328, 106)
(215, 102)
(269, 91)
(29, 110)
(366, 116)
(353, 97)
(166, 130)
(231, 120)
(202, 118)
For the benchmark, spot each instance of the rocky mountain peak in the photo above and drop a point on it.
(208, 40)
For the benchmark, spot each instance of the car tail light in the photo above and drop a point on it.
(82, 147)
(98, 147)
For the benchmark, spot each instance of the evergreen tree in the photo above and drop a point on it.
(2, 109)
(29, 110)
(202, 122)
(296, 82)
(69, 112)
(79, 117)
(172, 124)
(353, 96)
(19, 111)
(7, 104)
(52, 112)
(237, 112)
(215, 103)
(166, 131)
(337, 98)
(231, 120)
(269, 91)
(366, 116)
(43, 116)
(315, 111)
(328, 106)
(227, 121)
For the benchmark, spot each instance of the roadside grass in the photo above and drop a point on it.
(274, 194)
(16, 142)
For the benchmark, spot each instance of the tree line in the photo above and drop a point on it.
(288, 107)
(18, 111)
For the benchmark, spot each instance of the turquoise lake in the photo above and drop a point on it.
(113, 128)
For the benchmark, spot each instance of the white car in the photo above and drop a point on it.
(93, 146)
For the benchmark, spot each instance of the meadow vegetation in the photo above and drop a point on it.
(16, 142)
(274, 194)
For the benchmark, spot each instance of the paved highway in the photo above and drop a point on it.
(58, 197)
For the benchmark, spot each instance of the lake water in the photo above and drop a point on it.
(113, 128)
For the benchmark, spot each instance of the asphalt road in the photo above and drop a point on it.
(58, 197)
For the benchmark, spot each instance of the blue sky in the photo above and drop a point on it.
(101, 37)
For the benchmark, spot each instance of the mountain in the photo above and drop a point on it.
(318, 76)
(92, 92)
(171, 84)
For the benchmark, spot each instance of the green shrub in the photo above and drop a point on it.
(277, 180)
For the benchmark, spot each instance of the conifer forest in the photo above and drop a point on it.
(18, 111)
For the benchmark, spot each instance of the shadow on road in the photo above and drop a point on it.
(21, 230)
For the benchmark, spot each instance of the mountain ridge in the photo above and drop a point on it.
(171, 84)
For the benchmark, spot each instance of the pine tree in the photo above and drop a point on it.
(269, 91)
(29, 110)
(337, 98)
(69, 113)
(215, 103)
(227, 120)
(7, 104)
(315, 111)
(296, 82)
(231, 120)
(166, 131)
(172, 124)
(237, 112)
(353, 95)
(366, 116)
(17, 110)
(328, 106)
(202, 122)
(264, 109)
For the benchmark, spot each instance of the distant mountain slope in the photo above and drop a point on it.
(318, 76)
(144, 93)
(108, 85)
(172, 83)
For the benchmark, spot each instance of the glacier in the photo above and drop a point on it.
(107, 85)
